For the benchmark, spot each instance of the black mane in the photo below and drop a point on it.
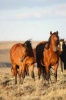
(28, 43)
(28, 46)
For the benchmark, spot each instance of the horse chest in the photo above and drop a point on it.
(50, 58)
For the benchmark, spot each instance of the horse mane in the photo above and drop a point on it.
(28, 46)
(28, 43)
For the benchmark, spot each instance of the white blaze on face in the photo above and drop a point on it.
(61, 46)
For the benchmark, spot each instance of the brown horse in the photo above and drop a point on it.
(39, 56)
(50, 55)
(21, 56)
(29, 59)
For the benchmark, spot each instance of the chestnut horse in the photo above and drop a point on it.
(21, 55)
(50, 55)
(29, 60)
(39, 56)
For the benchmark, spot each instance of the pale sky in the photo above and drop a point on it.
(31, 19)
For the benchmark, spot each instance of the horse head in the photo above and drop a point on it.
(54, 40)
(61, 44)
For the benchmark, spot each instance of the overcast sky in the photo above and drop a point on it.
(25, 19)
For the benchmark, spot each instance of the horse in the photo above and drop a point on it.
(63, 54)
(29, 60)
(21, 56)
(50, 55)
(39, 56)
(60, 52)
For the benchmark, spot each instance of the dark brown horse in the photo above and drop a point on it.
(39, 58)
(63, 54)
(21, 56)
(60, 52)
(50, 55)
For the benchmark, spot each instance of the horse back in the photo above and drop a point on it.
(17, 51)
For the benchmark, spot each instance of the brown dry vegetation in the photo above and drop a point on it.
(30, 89)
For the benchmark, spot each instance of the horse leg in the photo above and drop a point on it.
(55, 71)
(48, 73)
(14, 69)
(44, 72)
(32, 71)
(27, 70)
(15, 76)
(61, 64)
(20, 75)
(39, 70)
(21, 72)
(20, 81)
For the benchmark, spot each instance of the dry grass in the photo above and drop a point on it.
(30, 89)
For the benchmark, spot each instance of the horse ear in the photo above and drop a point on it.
(50, 32)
